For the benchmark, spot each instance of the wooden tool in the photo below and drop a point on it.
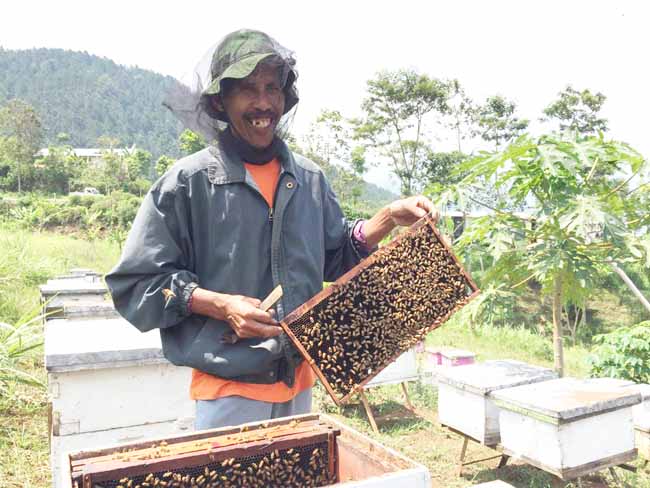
(231, 338)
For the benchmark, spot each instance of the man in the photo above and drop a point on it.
(226, 225)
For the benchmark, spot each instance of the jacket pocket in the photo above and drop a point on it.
(249, 358)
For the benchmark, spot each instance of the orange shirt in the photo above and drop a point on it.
(207, 387)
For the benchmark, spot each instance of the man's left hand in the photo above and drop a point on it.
(409, 210)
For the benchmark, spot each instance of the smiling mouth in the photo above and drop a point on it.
(261, 123)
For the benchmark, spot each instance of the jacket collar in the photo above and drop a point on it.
(225, 166)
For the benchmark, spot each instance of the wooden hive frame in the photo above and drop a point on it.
(295, 324)
(213, 452)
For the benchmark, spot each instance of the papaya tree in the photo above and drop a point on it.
(583, 214)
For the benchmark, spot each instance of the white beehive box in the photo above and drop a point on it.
(362, 462)
(404, 368)
(641, 415)
(68, 290)
(568, 427)
(464, 395)
(105, 375)
(640, 412)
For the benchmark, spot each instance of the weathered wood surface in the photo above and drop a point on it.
(566, 399)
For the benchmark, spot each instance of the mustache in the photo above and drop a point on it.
(262, 114)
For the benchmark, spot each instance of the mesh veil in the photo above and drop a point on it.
(187, 100)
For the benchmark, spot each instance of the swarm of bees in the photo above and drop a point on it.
(402, 292)
(304, 466)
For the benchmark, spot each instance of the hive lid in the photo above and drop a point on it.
(483, 378)
(72, 345)
(566, 399)
(73, 285)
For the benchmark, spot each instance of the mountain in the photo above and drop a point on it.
(86, 97)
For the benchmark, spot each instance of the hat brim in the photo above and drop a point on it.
(239, 70)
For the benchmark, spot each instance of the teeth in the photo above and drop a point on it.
(261, 123)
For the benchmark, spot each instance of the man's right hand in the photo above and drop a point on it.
(240, 312)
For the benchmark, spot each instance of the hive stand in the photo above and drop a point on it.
(402, 370)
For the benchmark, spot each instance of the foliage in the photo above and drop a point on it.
(624, 353)
(581, 214)
(163, 164)
(16, 343)
(578, 111)
(497, 121)
(329, 144)
(86, 97)
(393, 126)
(463, 114)
(101, 213)
(20, 139)
(440, 167)
(191, 142)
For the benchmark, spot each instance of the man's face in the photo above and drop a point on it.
(254, 106)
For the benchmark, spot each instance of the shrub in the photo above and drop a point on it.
(624, 353)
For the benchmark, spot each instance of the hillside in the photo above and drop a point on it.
(86, 97)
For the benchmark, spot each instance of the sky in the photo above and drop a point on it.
(527, 51)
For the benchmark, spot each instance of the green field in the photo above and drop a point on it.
(29, 259)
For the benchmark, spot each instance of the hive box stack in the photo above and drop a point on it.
(568, 427)
(465, 395)
(300, 451)
(107, 381)
(81, 293)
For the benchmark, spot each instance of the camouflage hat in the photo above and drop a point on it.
(237, 56)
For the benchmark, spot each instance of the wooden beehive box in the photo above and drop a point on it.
(465, 395)
(568, 427)
(107, 381)
(378, 310)
(300, 451)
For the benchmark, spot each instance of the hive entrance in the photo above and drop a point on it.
(380, 309)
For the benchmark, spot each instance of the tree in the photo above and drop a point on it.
(58, 168)
(497, 121)
(396, 109)
(578, 111)
(463, 114)
(441, 166)
(138, 164)
(329, 142)
(21, 135)
(584, 216)
(191, 142)
(163, 164)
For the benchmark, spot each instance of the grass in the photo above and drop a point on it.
(29, 259)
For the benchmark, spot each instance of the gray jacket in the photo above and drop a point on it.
(205, 223)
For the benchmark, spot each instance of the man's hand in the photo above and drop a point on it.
(409, 210)
(401, 212)
(242, 313)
